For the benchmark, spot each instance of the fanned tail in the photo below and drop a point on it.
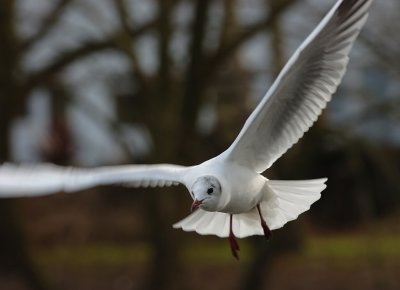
(283, 201)
(217, 223)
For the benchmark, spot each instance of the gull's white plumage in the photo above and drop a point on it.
(289, 108)
(42, 179)
(283, 202)
(302, 89)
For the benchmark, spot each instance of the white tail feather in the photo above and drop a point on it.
(283, 201)
(217, 223)
(292, 198)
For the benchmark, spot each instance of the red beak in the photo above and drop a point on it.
(196, 203)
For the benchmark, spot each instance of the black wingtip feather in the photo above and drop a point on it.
(347, 7)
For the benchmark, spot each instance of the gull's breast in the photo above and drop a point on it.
(241, 190)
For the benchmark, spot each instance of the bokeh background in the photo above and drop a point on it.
(102, 82)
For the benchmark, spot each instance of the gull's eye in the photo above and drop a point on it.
(210, 190)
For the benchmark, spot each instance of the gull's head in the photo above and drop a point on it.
(206, 192)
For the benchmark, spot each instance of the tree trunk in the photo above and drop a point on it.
(14, 259)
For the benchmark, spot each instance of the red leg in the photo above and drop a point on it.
(267, 231)
(232, 240)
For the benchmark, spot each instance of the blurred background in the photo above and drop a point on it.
(102, 82)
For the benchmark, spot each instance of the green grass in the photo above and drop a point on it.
(343, 249)
(216, 252)
(94, 254)
(354, 248)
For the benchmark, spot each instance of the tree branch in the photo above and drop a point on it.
(164, 34)
(126, 39)
(47, 24)
(382, 53)
(67, 58)
(194, 72)
(230, 47)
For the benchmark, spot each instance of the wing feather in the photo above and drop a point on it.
(302, 89)
(42, 179)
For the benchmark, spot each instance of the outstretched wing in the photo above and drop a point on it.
(301, 90)
(42, 179)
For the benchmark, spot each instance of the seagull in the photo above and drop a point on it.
(231, 197)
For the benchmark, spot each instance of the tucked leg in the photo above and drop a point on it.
(267, 231)
(232, 240)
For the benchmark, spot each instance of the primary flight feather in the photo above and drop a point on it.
(230, 196)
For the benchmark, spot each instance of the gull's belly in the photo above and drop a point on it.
(244, 193)
(242, 203)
